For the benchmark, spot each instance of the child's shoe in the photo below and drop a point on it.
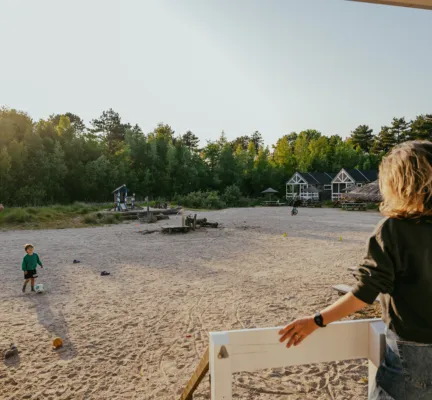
(24, 288)
(32, 289)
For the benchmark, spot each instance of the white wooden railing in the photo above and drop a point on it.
(255, 349)
(303, 196)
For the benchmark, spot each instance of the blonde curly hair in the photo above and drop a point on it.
(405, 180)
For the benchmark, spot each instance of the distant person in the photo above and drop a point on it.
(29, 264)
(398, 264)
(133, 202)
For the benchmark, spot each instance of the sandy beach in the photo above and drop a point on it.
(140, 332)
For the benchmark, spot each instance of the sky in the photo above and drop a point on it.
(276, 66)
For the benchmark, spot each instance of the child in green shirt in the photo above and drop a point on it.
(29, 264)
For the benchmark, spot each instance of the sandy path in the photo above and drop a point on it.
(127, 335)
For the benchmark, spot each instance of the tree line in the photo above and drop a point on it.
(61, 160)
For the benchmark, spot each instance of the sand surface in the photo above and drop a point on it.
(140, 332)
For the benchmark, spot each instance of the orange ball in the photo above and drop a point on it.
(57, 342)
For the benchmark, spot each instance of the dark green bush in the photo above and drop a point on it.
(232, 196)
(17, 215)
(202, 200)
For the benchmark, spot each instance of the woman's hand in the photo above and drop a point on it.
(297, 331)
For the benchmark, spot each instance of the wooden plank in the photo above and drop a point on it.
(253, 349)
(171, 229)
(424, 4)
(196, 378)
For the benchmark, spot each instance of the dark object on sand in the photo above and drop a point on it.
(175, 229)
(11, 352)
(191, 220)
(105, 273)
(76, 261)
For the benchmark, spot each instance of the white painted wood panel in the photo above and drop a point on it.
(255, 349)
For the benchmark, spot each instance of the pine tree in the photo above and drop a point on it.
(362, 136)
(400, 130)
(386, 139)
(421, 128)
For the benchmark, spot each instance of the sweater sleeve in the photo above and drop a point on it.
(38, 260)
(377, 272)
(24, 264)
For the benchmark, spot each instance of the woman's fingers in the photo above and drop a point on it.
(287, 328)
(287, 332)
(300, 340)
(294, 339)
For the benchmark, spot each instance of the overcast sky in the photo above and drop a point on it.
(275, 66)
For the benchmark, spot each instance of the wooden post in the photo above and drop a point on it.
(220, 367)
(194, 222)
(183, 218)
(377, 343)
(196, 377)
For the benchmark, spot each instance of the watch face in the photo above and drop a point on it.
(318, 320)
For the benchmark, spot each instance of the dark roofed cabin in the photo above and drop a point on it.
(351, 177)
(310, 186)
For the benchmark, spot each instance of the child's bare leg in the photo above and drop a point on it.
(25, 284)
(32, 284)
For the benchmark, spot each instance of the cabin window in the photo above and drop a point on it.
(327, 187)
(359, 184)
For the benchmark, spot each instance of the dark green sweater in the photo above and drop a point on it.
(398, 265)
(30, 262)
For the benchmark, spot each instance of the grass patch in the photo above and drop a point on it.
(56, 217)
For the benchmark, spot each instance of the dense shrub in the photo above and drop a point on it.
(232, 196)
(15, 215)
(207, 200)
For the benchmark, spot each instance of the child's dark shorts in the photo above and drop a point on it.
(30, 274)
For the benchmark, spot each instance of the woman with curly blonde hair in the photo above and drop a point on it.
(398, 267)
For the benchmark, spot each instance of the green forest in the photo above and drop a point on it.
(60, 160)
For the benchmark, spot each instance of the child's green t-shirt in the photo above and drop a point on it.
(30, 262)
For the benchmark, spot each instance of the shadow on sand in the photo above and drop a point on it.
(52, 319)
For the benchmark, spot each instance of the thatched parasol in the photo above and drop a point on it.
(269, 191)
(368, 193)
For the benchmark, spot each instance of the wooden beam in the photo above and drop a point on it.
(424, 4)
(196, 378)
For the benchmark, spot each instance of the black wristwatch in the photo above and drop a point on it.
(319, 320)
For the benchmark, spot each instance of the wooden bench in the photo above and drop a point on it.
(272, 203)
(354, 206)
